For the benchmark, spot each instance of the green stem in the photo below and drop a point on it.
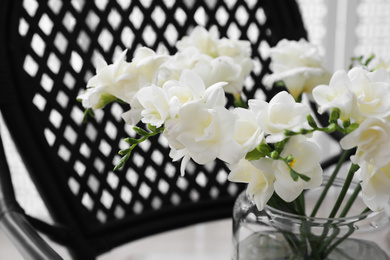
(238, 102)
(293, 242)
(278, 203)
(344, 190)
(365, 211)
(330, 249)
(351, 200)
(350, 231)
(340, 198)
(307, 238)
(342, 159)
(329, 239)
(272, 202)
(300, 204)
(134, 142)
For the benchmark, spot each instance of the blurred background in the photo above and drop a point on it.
(340, 28)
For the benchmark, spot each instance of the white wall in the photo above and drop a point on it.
(347, 28)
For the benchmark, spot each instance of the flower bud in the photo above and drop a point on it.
(289, 133)
(311, 121)
(331, 128)
(274, 155)
(289, 159)
(334, 115)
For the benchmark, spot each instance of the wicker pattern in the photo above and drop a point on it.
(57, 44)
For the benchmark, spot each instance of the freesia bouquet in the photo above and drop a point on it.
(265, 144)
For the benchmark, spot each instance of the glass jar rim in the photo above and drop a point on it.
(282, 214)
(348, 219)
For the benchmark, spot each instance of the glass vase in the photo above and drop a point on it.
(275, 234)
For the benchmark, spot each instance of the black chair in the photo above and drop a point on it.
(46, 58)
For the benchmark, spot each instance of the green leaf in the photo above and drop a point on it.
(331, 128)
(140, 131)
(289, 133)
(155, 129)
(122, 161)
(104, 99)
(311, 121)
(88, 112)
(152, 128)
(130, 140)
(264, 149)
(120, 101)
(334, 115)
(303, 131)
(253, 155)
(346, 123)
(304, 177)
(280, 83)
(239, 102)
(369, 59)
(124, 151)
(279, 146)
(299, 98)
(352, 127)
(294, 175)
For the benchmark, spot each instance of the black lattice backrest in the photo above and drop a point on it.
(51, 49)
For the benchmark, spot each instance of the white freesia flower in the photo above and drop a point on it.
(145, 66)
(306, 161)
(134, 115)
(236, 49)
(109, 79)
(205, 41)
(203, 130)
(372, 139)
(121, 79)
(375, 186)
(147, 62)
(225, 69)
(155, 105)
(381, 64)
(281, 113)
(187, 58)
(214, 59)
(236, 86)
(247, 132)
(258, 175)
(188, 88)
(240, 52)
(360, 94)
(337, 94)
(203, 134)
(299, 65)
(372, 90)
(211, 70)
(218, 69)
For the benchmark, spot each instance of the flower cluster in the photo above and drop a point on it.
(121, 80)
(363, 97)
(203, 52)
(267, 144)
(298, 65)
